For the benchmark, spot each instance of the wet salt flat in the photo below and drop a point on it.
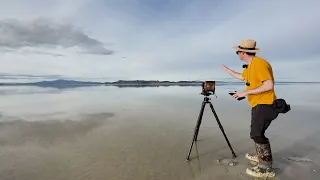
(106, 132)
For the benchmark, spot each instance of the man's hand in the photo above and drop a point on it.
(232, 73)
(239, 95)
(225, 68)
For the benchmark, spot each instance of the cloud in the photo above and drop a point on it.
(47, 33)
(47, 53)
(27, 51)
(164, 40)
(197, 40)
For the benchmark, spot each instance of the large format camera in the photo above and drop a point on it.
(208, 88)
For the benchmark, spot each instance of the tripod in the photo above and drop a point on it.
(206, 100)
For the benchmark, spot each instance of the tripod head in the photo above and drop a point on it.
(208, 88)
(207, 93)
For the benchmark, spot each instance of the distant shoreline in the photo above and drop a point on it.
(130, 83)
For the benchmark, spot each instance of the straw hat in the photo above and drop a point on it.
(248, 45)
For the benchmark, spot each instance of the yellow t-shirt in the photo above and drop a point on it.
(258, 71)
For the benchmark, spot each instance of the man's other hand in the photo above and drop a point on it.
(239, 95)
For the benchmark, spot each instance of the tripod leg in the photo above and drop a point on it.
(221, 128)
(199, 121)
(196, 130)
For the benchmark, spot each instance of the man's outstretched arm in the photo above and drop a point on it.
(233, 73)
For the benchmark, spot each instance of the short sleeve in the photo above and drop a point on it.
(264, 72)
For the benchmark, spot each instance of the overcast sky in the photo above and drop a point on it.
(107, 40)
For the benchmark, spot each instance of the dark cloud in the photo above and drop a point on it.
(15, 34)
(31, 51)
(48, 53)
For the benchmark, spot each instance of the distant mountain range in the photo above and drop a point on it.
(65, 82)
(62, 82)
(54, 82)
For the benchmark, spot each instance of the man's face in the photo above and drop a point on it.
(240, 54)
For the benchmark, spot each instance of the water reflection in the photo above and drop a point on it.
(49, 132)
(106, 132)
(27, 102)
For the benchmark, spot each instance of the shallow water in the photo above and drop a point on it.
(105, 132)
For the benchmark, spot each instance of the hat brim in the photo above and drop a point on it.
(246, 50)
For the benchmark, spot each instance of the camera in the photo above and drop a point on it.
(208, 88)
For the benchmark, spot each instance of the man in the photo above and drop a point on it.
(259, 80)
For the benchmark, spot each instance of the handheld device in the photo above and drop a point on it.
(239, 99)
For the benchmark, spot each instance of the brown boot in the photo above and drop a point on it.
(264, 155)
(264, 169)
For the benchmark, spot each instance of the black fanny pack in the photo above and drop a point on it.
(281, 106)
